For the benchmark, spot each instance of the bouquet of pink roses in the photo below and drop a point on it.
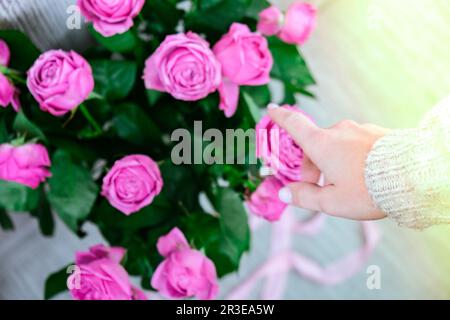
(92, 137)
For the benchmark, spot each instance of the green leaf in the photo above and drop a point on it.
(24, 126)
(307, 93)
(153, 97)
(224, 255)
(114, 79)
(45, 217)
(121, 43)
(4, 136)
(145, 283)
(216, 15)
(133, 125)
(137, 261)
(56, 283)
(17, 197)
(201, 229)
(260, 94)
(175, 176)
(159, 210)
(72, 190)
(234, 239)
(206, 4)
(23, 51)
(162, 17)
(289, 66)
(233, 218)
(252, 107)
(5, 221)
(255, 7)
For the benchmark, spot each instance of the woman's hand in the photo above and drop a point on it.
(339, 153)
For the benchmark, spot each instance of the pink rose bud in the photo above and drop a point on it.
(6, 91)
(299, 23)
(185, 272)
(99, 276)
(27, 164)
(60, 81)
(270, 21)
(4, 53)
(264, 202)
(245, 56)
(132, 183)
(183, 66)
(9, 95)
(278, 150)
(111, 17)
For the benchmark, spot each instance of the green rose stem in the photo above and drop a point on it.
(90, 119)
(17, 79)
(72, 114)
(12, 74)
(183, 208)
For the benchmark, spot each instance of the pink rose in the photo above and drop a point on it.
(184, 66)
(278, 150)
(185, 272)
(9, 95)
(245, 56)
(4, 53)
(299, 23)
(60, 81)
(100, 251)
(264, 202)
(111, 17)
(132, 183)
(270, 21)
(99, 275)
(27, 164)
(6, 91)
(229, 97)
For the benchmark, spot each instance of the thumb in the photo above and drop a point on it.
(309, 196)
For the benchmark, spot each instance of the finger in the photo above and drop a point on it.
(344, 124)
(310, 172)
(301, 129)
(309, 196)
(375, 129)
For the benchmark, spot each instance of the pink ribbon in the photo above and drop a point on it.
(283, 258)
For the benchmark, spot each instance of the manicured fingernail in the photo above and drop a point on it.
(265, 171)
(285, 195)
(273, 106)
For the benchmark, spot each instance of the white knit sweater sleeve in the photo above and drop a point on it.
(408, 171)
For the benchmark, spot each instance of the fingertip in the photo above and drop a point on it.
(266, 171)
(272, 110)
(276, 113)
(272, 106)
(301, 128)
(285, 195)
(308, 196)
